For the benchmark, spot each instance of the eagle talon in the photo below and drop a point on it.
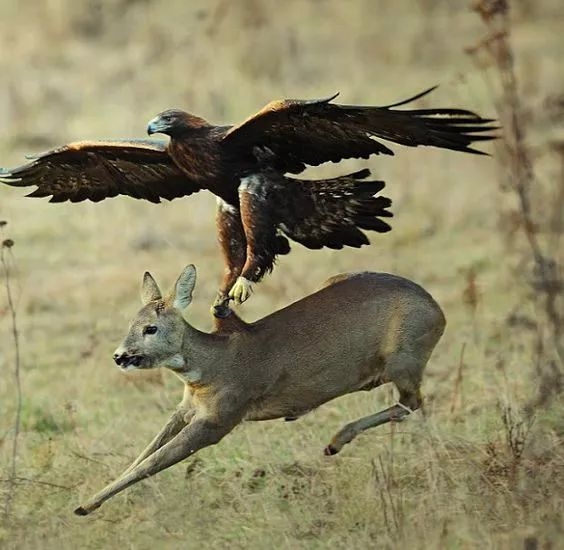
(220, 307)
(221, 311)
(241, 290)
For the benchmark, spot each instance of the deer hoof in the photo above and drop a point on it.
(330, 450)
(241, 290)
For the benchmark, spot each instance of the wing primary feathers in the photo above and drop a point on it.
(361, 174)
(37, 193)
(312, 132)
(98, 170)
(414, 98)
(317, 101)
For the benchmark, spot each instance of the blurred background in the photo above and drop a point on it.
(482, 466)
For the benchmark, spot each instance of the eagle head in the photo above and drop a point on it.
(175, 123)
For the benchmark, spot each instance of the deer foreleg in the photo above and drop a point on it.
(180, 418)
(176, 422)
(200, 433)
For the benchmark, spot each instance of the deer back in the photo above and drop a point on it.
(335, 341)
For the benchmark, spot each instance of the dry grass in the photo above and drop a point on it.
(472, 471)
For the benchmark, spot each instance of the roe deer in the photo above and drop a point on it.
(357, 332)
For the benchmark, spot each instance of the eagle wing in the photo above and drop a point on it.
(333, 213)
(296, 133)
(96, 170)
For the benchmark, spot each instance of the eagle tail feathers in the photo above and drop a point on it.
(332, 213)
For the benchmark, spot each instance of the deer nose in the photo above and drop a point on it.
(119, 358)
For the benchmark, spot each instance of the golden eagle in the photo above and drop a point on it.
(246, 167)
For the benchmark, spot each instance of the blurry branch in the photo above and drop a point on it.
(13, 480)
(390, 495)
(515, 159)
(517, 429)
(7, 260)
(457, 390)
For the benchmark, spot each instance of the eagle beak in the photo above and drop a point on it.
(155, 126)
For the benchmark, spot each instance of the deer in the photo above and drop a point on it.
(357, 332)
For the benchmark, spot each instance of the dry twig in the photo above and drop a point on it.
(7, 261)
(515, 159)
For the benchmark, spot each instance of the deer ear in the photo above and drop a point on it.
(182, 295)
(149, 289)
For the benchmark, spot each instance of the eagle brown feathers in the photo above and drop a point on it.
(259, 206)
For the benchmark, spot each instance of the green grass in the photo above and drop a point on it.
(445, 478)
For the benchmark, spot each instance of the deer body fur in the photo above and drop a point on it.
(357, 332)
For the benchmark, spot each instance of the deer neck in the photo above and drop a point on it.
(199, 356)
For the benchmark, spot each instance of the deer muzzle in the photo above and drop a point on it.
(125, 360)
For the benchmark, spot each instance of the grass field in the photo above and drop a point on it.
(480, 467)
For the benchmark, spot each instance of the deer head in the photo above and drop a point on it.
(157, 333)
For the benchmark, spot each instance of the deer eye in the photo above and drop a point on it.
(149, 329)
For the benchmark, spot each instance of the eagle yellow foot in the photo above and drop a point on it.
(241, 290)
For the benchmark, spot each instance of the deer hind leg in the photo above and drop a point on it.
(407, 380)
(396, 413)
